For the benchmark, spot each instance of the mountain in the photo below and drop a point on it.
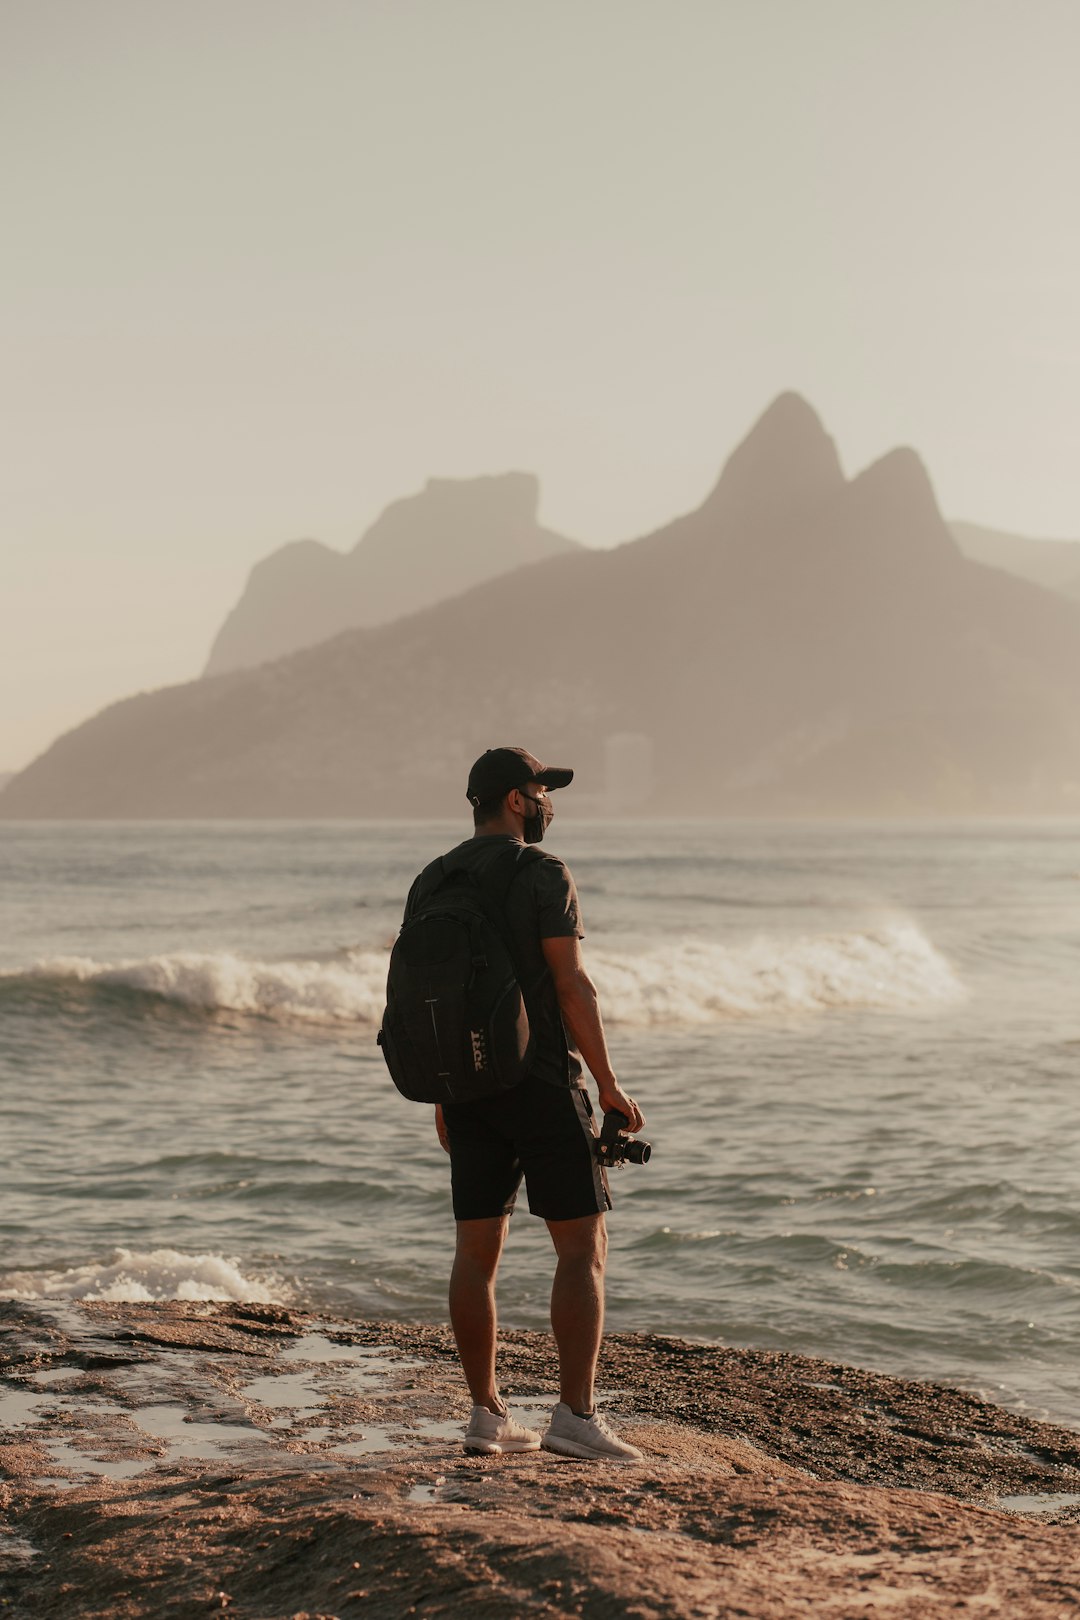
(1053, 563)
(801, 643)
(451, 536)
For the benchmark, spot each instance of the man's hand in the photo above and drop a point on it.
(613, 1097)
(440, 1128)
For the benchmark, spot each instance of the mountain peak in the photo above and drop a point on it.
(897, 495)
(509, 494)
(900, 475)
(497, 506)
(786, 461)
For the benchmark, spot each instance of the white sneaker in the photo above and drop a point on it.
(490, 1433)
(573, 1436)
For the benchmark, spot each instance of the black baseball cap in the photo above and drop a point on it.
(501, 769)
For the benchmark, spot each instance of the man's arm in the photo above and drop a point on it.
(581, 1013)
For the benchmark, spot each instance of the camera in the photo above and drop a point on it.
(612, 1147)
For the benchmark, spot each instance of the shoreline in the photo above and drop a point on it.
(183, 1458)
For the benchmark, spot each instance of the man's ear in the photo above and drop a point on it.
(516, 801)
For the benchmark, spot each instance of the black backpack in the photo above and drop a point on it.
(456, 1027)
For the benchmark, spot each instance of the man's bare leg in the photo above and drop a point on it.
(472, 1304)
(577, 1305)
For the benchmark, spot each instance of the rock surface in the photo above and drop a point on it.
(189, 1459)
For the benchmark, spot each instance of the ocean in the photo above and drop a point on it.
(857, 1045)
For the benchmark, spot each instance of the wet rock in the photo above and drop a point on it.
(267, 1464)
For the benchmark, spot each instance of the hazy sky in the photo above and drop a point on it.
(269, 264)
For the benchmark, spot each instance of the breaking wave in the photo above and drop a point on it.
(136, 1276)
(348, 990)
(894, 966)
(676, 982)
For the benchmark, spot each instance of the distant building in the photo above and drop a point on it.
(628, 771)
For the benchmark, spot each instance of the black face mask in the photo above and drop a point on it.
(536, 826)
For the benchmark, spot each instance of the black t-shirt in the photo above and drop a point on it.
(541, 903)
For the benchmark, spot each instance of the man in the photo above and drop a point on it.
(543, 1128)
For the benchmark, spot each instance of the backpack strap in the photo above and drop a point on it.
(429, 880)
(497, 879)
(495, 883)
(492, 885)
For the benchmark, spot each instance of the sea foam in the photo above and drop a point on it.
(698, 982)
(139, 1276)
(674, 981)
(221, 981)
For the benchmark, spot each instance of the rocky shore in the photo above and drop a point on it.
(185, 1459)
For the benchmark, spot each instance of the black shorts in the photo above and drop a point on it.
(541, 1131)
